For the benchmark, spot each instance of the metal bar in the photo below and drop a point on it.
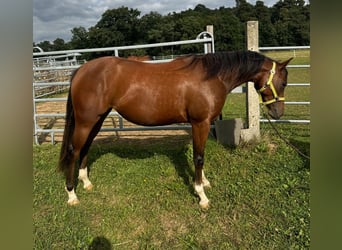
(47, 94)
(298, 84)
(298, 66)
(285, 48)
(35, 120)
(55, 67)
(159, 61)
(63, 114)
(286, 121)
(141, 46)
(41, 84)
(297, 103)
(61, 99)
(121, 122)
(49, 115)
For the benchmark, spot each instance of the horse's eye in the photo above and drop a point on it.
(284, 84)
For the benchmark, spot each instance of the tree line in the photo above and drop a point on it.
(286, 23)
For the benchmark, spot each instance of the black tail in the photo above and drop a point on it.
(67, 148)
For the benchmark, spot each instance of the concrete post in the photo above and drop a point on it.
(252, 132)
(210, 29)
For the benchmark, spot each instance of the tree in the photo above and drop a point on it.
(286, 23)
(150, 27)
(116, 27)
(59, 44)
(291, 21)
(229, 31)
(80, 38)
(164, 30)
(267, 33)
(202, 9)
(244, 11)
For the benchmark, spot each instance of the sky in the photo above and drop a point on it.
(56, 18)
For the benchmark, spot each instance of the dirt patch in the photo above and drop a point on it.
(172, 226)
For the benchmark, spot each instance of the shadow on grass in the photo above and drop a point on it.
(175, 147)
(100, 243)
(304, 148)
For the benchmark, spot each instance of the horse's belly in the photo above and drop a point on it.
(151, 116)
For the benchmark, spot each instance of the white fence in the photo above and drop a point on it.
(52, 75)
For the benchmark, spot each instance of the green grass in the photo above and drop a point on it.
(143, 197)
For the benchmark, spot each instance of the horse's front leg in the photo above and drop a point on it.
(200, 134)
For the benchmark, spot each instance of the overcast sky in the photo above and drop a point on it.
(55, 18)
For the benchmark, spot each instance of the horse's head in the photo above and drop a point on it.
(270, 84)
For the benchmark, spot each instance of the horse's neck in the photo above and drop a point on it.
(234, 82)
(241, 78)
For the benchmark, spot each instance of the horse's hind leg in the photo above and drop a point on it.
(79, 139)
(83, 170)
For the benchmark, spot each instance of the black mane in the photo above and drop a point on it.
(239, 64)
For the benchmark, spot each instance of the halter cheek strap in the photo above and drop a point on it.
(270, 84)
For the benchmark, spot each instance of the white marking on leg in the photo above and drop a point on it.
(83, 176)
(72, 198)
(204, 202)
(205, 182)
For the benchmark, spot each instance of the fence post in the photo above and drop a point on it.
(210, 29)
(252, 132)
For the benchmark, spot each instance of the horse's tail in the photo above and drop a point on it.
(67, 147)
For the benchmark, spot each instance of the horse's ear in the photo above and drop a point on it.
(285, 63)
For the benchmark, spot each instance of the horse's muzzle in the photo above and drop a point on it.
(276, 109)
(275, 113)
(274, 116)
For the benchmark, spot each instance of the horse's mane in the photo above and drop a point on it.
(241, 63)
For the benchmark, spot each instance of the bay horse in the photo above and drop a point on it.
(189, 89)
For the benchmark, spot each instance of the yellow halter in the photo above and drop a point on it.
(271, 85)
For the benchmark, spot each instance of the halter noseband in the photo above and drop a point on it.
(270, 84)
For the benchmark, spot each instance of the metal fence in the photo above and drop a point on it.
(52, 72)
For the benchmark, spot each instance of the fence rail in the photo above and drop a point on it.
(206, 38)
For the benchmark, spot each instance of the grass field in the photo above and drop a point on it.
(143, 196)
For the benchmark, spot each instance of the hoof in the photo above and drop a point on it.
(89, 187)
(204, 204)
(73, 202)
